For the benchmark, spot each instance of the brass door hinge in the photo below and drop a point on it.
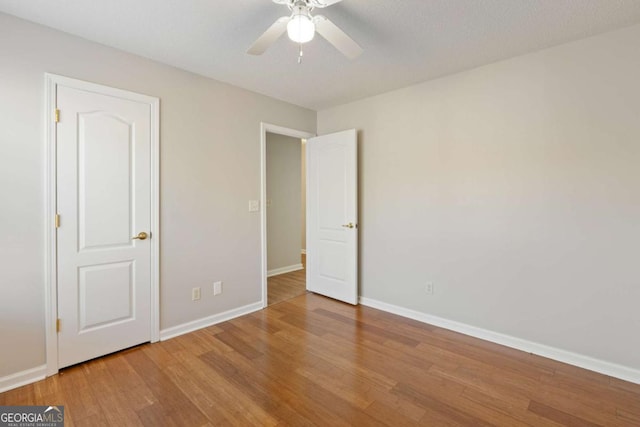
(57, 115)
(57, 325)
(57, 221)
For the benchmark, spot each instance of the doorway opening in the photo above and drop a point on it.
(283, 213)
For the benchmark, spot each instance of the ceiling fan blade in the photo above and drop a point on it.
(324, 3)
(269, 37)
(337, 37)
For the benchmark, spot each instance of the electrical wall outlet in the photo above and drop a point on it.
(428, 288)
(195, 294)
(217, 288)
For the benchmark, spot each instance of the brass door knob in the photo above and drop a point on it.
(141, 236)
(350, 225)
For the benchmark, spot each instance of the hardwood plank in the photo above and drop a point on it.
(116, 407)
(306, 323)
(597, 411)
(447, 404)
(503, 406)
(376, 333)
(311, 360)
(78, 393)
(338, 354)
(202, 341)
(589, 389)
(260, 320)
(559, 416)
(543, 365)
(436, 407)
(352, 388)
(628, 417)
(389, 415)
(489, 383)
(173, 407)
(260, 390)
(238, 345)
(217, 398)
(625, 385)
(495, 357)
(286, 286)
(403, 408)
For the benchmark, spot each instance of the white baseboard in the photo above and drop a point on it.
(185, 328)
(23, 378)
(283, 270)
(575, 359)
(303, 251)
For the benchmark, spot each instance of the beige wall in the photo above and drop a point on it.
(210, 168)
(284, 195)
(515, 189)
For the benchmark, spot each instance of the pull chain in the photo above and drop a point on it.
(300, 53)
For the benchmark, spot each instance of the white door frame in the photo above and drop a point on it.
(264, 128)
(51, 263)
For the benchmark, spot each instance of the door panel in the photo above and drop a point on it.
(105, 178)
(332, 247)
(104, 194)
(332, 262)
(105, 294)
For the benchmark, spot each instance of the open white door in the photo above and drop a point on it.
(332, 216)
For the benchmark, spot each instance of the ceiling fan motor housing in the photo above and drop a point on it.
(301, 28)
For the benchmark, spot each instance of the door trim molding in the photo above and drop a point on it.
(52, 81)
(280, 130)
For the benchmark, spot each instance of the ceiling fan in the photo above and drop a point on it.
(301, 27)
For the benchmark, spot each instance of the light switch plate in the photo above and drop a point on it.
(254, 205)
(217, 288)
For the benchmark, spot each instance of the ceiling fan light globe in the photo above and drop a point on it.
(301, 28)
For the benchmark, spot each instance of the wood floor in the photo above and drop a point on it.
(286, 286)
(314, 361)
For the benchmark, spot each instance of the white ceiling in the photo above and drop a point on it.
(404, 41)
